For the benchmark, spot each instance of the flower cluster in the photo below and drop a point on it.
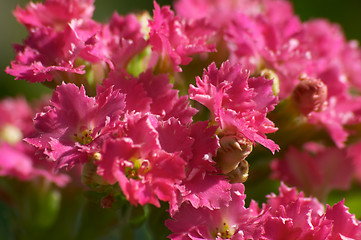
(131, 110)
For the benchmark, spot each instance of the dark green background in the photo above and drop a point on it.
(347, 13)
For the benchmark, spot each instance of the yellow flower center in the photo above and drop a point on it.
(84, 137)
(139, 167)
(224, 232)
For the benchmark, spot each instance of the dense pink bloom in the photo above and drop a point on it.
(316, 170)
(175, 39)
(46, 54)
(203, 183)
(149, 93)
(291, 215)
(230, 221)
(72, 121)
(17, 158)
(120, 40)
(223, 11)
(332, 68)
(22, 162)
(56, 40)
(238, 103)
(145, 158)
(54, 13)
(258, 34)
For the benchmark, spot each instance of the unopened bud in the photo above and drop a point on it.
(310, 95)
(240, 174)
(233, 150)
(271, 75)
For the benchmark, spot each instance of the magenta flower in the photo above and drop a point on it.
(48, 54)
(336, 72)
(73, 121)
(230, 221)
(316, 170)
(149, 93)
(238, 104)
(22, 162)
(17, 158)
(174, 40)
(203, 184)
(145, 158)
(291, 215)
(56, 40)
(55, 14)
(120, 40)
(223, 11)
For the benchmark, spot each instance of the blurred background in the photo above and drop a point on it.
(347, 13)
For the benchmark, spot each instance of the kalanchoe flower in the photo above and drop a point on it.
(120, 40)
(59, 44)
(223, 11)
(54, 13)
(291, 215)
(149, 93)
(48, 54)
(238, 103)
(316, 170)
(174, 40)
(73, 121)
(143, 158)
(203, 183)
(17, 158)
(231, 221)
(257, 34)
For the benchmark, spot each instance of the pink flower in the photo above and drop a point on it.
(73, 121)
(291, 215)
(238, 104)
(175, 39)
(22, 162)
(120, 40)
(57, 38)
(316, 170)
(54, 13)
(223, 11)
(144, 159)
(48, 54)
(202, 184)
(335, 71)
(17, 158)
(345, 225)
(230, 221)
(269, 41)
(149, 93)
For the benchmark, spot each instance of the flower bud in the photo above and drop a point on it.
(310, 95)
(271, 75)
(240, 174)
(232, 151)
